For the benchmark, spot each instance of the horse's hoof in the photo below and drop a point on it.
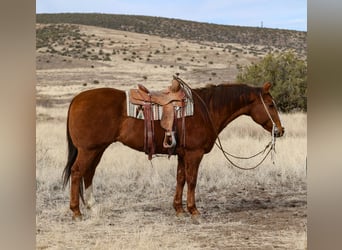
(77, 217)
(180, 214)
(196, 219)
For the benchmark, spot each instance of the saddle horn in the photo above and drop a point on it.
(175, 85)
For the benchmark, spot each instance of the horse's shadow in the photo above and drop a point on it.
(250, 202)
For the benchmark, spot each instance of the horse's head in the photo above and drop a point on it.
(264, 111)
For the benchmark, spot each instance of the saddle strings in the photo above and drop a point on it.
(270, 145)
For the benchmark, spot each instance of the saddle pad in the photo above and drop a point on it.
(136, 111)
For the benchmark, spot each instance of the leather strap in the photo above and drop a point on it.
(149, 146)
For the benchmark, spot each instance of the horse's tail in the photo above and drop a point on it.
(72, 154)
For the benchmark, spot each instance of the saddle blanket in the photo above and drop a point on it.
(136, 111)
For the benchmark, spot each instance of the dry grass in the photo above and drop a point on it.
(134, 199)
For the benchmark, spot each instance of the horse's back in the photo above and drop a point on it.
(99, 93)
(94, 116)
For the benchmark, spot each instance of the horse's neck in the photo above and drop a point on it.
(223, 112)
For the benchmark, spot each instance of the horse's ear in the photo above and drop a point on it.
(266, 87)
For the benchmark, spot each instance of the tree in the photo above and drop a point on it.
(288, 74)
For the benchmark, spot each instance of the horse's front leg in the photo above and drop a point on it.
(192, 161)
(177, 202)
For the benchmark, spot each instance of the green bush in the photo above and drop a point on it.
(288, 74)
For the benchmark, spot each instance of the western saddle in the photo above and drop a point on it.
(170, 99)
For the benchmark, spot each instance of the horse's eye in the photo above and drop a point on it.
(271, 105)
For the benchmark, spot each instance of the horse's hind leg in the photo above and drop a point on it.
(88, 181)
(84, 163)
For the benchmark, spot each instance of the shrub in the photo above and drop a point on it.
(288, 74)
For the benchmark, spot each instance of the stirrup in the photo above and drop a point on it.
(166, 139)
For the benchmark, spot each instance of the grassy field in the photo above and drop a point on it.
(260, 209)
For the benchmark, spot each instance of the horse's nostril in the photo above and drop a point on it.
(278, 133)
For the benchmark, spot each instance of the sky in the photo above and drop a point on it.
(279, 14)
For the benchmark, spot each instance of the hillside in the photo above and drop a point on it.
(94, 55)
(188, 30)
(111, 56)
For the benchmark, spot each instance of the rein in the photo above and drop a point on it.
(270, 146)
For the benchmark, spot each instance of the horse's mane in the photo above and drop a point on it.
(222, 95)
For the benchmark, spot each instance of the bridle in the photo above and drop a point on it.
(274, 127)
(270, 146)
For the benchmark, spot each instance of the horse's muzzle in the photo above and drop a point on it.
(278, 133)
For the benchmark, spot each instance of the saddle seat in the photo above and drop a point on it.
(168, 98)
(174, 93)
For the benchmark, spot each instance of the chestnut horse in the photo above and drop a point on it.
(98, 117)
